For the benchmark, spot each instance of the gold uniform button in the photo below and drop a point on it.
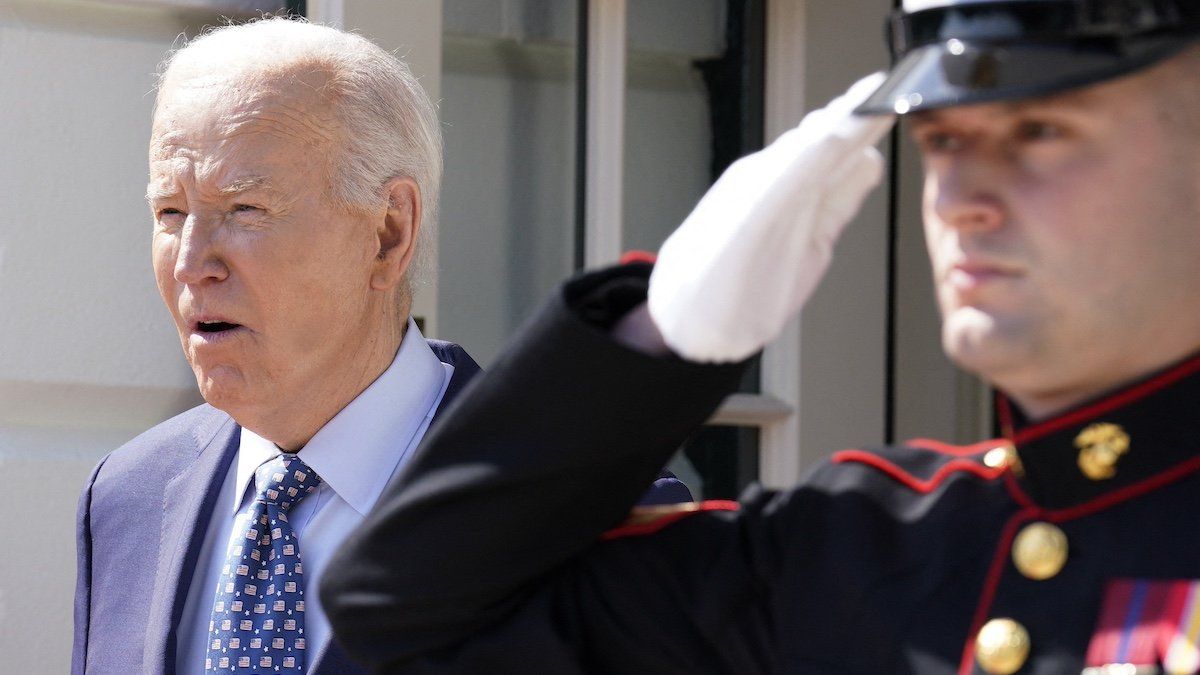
(1100, 447)
(1002, 646)
(1002, 456)
(1040, 551)
(996, 458)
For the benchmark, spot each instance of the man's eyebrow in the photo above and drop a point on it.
(920, 119)
(245, 185)
(1072, 98)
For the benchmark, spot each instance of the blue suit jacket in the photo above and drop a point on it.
(142, 519)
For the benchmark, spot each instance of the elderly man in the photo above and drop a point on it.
(1061, 142)
(294, 170)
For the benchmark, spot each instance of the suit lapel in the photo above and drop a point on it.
(187, 508)
(465, 369)
(188, 503)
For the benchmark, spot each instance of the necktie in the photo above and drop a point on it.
(258, 613)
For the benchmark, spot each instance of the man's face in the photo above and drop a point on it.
(1064, 235)
(267, 278)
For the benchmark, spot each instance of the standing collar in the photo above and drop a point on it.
(357, 451)
(1156, 421)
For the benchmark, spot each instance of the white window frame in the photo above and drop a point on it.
(773, 411)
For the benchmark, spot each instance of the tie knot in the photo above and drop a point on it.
(284, 480)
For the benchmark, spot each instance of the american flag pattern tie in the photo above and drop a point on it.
(258, 613)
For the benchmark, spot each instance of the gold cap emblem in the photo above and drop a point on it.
(1002, 646)
(1100, 447)
(1040, 551)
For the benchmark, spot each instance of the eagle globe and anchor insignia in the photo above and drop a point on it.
(1101, 446)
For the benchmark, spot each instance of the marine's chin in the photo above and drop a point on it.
(979, 342)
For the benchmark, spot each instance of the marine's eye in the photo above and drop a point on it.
(938, 141)
(1037, 130)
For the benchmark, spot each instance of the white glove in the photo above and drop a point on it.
(757, 244)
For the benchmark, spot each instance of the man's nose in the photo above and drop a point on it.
(199, 258)
(966, 194)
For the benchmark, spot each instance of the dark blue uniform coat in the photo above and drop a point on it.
(489, 554)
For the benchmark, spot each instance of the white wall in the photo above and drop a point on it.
(88, 357)
(505, 238)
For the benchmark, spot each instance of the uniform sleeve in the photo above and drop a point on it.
(695, 597)
(492, 529)
(666, 489)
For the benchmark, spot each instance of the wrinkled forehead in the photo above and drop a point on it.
(215, 132)
(197, 105)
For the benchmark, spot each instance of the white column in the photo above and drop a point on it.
(605, 130)
(779, 442)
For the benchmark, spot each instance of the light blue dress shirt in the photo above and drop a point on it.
(356, 453)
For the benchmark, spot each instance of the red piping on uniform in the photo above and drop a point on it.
(905, 478)
(1004, 412)
(659, 523)
(1123, 494)
(1109, 404)
(999, 560)
(955, 450)
(1104, 501)
(638, 257)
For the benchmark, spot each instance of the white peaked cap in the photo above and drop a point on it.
(918, 5)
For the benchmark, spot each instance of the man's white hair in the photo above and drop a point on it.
(389, 126)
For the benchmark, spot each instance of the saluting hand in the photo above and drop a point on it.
(754, 248)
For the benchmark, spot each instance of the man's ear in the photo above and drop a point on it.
(397, 233)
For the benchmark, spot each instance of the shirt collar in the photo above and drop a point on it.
(357, 451)
(253, 450)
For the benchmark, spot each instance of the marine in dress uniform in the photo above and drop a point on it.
(1060, 547)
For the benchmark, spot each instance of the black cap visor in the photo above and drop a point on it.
(958, 72)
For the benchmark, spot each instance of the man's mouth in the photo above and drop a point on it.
(215, 326)
(969, 278)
